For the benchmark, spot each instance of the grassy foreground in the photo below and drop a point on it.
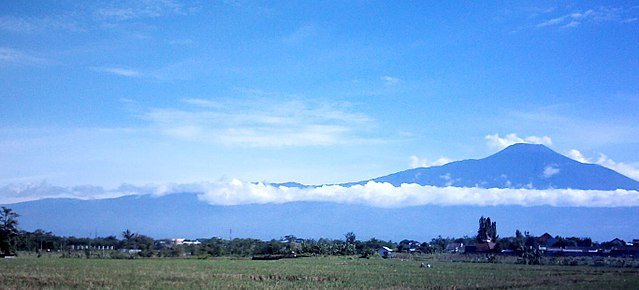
(326, 272)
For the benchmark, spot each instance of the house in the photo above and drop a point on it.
(385, 252)
(635, 243)
(546, 240)
(454, 248)
(130, 251)
(186, 242)
(191, 242)
(481, 248)
(617, 243)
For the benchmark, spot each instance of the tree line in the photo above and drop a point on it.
(131, 244)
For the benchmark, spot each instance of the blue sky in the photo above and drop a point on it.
(140, 92)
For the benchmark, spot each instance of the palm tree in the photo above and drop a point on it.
(8, 229)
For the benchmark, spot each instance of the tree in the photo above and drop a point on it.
(439, 244)
(350, 238)
(528, 248)
(128, 235)
(487, 231)
(8, 230)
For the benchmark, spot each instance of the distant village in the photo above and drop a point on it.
(487, 242)
(549, 245)
(546, 244)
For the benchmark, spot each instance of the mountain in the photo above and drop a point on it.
(184, 215)
(518, 166)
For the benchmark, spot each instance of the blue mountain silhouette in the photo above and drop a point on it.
(517, 166)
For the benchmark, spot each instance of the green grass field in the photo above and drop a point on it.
(328, 272)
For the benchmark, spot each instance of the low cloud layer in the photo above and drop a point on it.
(13, 193)
(377, 194)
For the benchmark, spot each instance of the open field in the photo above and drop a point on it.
(325, 272)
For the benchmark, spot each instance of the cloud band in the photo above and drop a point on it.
(376, 194)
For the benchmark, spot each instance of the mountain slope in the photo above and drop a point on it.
(518, 166)
(183, 215)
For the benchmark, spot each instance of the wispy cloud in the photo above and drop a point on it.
(63, 22)
(262, 123)
(390, 81)
(131, 10)
(416, 162)
(595, 15)
(182, 42)
(17, 24)
(588, 129)
(181, 70)
(377, 194)
(125, 72)
(603, 160)
(91, 16)
(498, 142)
(301, 35)
(254, 7)
(18, 57)
(550, 170)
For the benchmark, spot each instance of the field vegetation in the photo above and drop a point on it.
(311, 272)
(41, 259)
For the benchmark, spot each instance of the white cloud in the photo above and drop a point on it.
(16, 24)
(125, 72)
(550, 170)
(301, 35)
(597, 15)
(13, 193)
(181, 70)
(62, 22)
(390, 81)
(603, 160)
(89, 17)
(263, 123)
(183, 41)
(419, 162)
(204, 103)
(498, 142)
(17, 57)
(237, 192)
(132, 10)
(576, 155)
(387, 195)
(623, 168)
